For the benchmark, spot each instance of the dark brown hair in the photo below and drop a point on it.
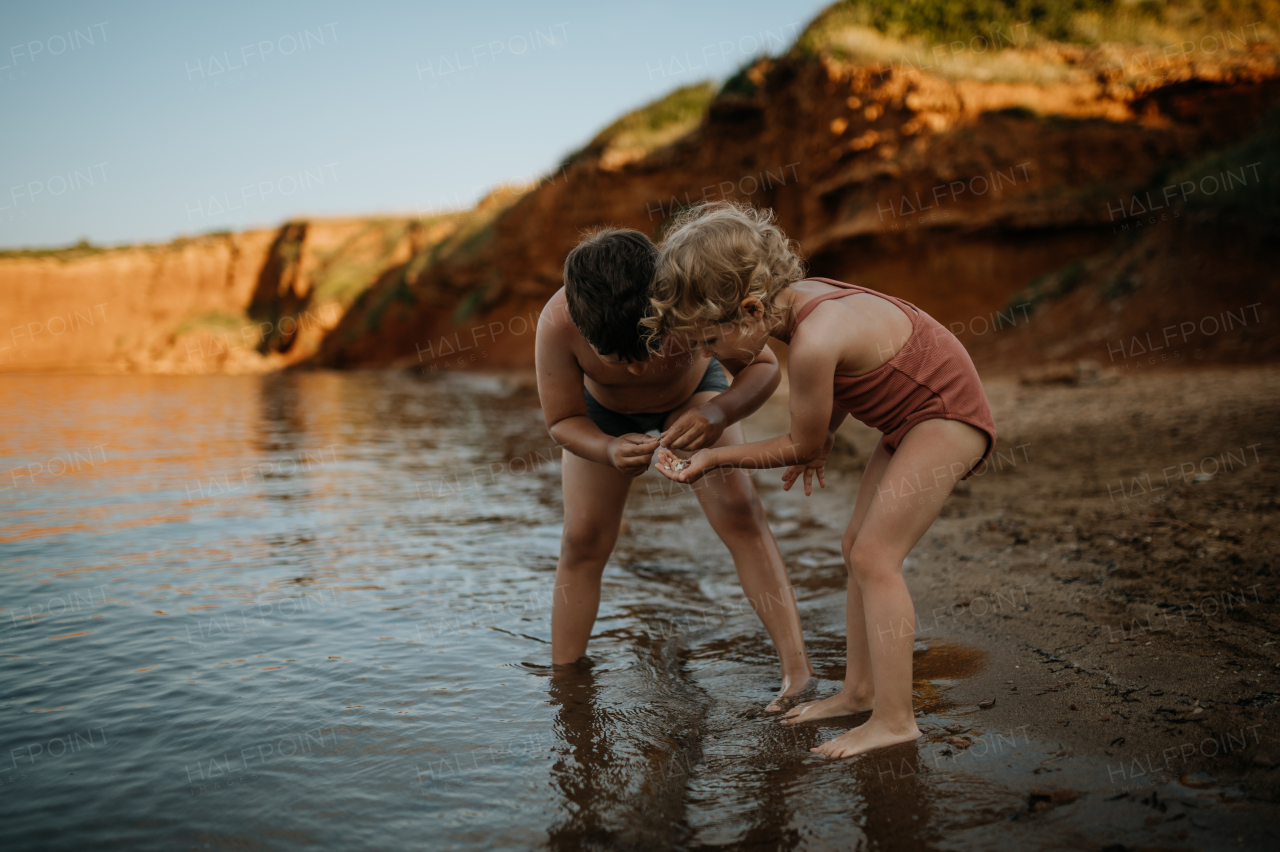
(606, 283)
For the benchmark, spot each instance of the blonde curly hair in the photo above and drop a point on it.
(714, 256)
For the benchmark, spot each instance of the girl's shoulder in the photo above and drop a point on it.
(817, 340)
(858, 333)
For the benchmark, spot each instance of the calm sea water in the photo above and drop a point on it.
(312, 611)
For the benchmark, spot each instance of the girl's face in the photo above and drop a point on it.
(736, 341)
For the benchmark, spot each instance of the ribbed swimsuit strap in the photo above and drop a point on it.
(845, 290)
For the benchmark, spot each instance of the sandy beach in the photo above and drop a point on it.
(1106, 586)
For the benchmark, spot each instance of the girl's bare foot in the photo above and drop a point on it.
(840, 704)
(868, 737)
(792, 691)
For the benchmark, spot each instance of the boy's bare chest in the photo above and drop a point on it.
(664, 384)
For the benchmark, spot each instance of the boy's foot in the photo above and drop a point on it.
(839, 704)
(582, 664)
(868, 737)
(791, 693)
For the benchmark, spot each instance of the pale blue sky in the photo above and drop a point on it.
(131, 122)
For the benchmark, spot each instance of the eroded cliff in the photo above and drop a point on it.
(1006, 191)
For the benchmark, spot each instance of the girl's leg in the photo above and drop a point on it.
(892, 513)
(859, 690)
(920, 475)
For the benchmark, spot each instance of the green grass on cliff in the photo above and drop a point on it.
(73, 252)
(1030, 21)
(345, 271)
(659, 122)
(212, 322)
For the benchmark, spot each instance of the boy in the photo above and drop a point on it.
(601, 392)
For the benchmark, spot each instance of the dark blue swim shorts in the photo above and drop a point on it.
(615, 423)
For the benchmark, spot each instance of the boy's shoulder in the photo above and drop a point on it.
(558, 299)
(555, 319)
(557, 330)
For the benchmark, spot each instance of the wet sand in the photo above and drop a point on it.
(1106, 583)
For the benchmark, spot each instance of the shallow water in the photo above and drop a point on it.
(312, 611)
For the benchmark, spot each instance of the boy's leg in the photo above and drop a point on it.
(908, 498)
(732, 506)
(594, 496)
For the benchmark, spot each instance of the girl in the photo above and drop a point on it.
(729, 280)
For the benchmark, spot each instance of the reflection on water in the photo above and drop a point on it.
(312, 611)
(618, 773)
(293, 599)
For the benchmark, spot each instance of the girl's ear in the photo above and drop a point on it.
(753, 307)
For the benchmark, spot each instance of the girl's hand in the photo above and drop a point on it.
(697, 428)
(818, 466)
(687, 471)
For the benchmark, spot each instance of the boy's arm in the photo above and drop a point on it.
(753, 383)
(565, 410)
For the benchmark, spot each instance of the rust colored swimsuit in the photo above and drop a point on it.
(931, 377)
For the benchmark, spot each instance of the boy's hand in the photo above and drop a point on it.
(688, 470)
(818, 465)
(632, 453)
(697, 428)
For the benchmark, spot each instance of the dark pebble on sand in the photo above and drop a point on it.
(1055, 797)
(1198, 780)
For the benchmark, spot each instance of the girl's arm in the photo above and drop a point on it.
(837, 417)
(812, 374)
(753, 383)
(818, 465)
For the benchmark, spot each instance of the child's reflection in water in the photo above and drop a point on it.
(585, 762)
(622, 782)
(784, 797)
(897, 800)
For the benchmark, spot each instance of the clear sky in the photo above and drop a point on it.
(138, 122)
